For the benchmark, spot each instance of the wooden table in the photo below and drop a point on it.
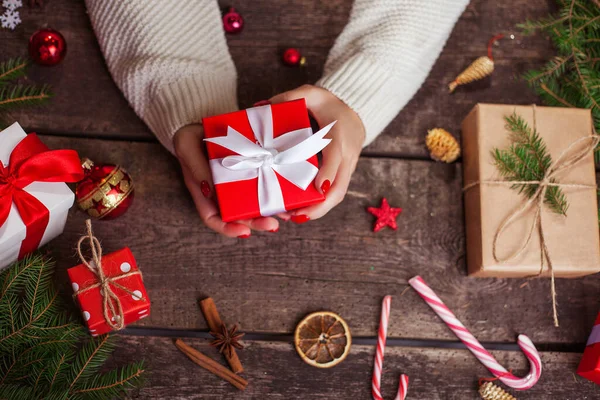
(269, 282)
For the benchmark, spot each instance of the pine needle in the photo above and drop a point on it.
(527, 159)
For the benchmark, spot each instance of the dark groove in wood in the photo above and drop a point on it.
(358, 340)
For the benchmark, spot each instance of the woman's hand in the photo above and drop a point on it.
(197, 176)
(339, 157)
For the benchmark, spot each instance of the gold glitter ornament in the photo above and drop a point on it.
(489, 391)
(479, 69)
(105, 192)
(442, 145)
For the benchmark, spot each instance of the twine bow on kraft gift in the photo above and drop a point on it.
(566, 160)
(112, 309)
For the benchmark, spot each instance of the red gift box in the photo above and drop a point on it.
(136, 305)
(246, 149)
(589, 367)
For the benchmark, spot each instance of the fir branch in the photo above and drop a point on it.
(41, 350)
(87, 363)
(528, 160)
(12, 69)
(572, 77)
(19, 95)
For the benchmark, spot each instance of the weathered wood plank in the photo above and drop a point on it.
(275, 371)
(269, 282)
(89, 103)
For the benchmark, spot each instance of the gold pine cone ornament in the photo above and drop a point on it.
(489, 391)
(479, 69)
(442, 145)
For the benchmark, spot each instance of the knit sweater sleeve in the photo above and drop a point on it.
(171, 61)
(384, 54)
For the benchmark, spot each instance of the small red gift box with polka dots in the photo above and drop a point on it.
(136, 304)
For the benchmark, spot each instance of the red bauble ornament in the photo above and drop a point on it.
(105, 192)
(233, 21)
(293, 58)
(386, 215)
(47, 47)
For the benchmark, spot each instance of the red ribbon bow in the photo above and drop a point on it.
(31, 161)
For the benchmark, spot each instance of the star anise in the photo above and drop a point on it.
(227, 340)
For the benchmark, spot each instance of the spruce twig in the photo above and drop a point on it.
(572, 78)
(12, 69)
(527, 159)
(44, 352)
(14, 95)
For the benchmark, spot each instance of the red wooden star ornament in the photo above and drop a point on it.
(386, 215)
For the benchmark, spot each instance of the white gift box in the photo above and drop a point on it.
(55, 196)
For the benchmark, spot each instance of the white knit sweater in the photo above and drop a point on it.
(170, 58)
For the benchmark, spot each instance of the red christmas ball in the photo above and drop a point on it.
(233, 21)
(105, 192)
(47, 47)
(293, 58)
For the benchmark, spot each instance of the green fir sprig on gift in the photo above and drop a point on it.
(14, 95)
(572, 78)
(527, 159)
(44, 352)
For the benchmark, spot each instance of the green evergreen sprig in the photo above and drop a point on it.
(14, 95)
(527, 159)
(12, 69)
(572, 78)
(44, 352)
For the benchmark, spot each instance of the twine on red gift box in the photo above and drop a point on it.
(111, 302)
(561, 164)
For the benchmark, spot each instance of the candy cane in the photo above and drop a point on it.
(383, 325)
(476, 348)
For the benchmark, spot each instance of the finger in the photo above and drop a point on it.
(191, 155)
(268, 224)
(284, 216)
(294, 94)
(334, 197)
(332, 158)
(207, 209)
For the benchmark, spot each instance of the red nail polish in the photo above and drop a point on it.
(300, 219)
(262, 103)
(326, 186)
(246, 236)
(205, 188)
(274, 230)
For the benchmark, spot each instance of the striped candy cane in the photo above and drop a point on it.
(476, 348)
(383, 325)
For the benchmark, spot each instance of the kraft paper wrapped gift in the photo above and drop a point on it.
(572, 241)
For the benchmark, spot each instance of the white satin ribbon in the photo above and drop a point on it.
(594, 336)
(286, 154)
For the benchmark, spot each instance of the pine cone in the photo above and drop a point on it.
(478, 69)
(442, 145)
(489, 391)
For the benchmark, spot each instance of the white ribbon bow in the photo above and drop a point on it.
(286, 154)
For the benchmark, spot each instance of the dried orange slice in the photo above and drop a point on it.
(323, 339)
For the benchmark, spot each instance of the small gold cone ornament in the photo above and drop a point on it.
(442, 145)
(489, 391)
(479, 69)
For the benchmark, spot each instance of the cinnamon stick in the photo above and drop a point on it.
(209, 309)
(211, 365)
